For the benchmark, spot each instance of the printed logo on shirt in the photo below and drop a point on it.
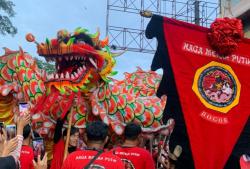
(128, 164)
(25, 152)
(89, 157)
(127, 154)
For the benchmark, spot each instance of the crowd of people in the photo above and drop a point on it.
(18, 152)
(93, 154)
(11, 156)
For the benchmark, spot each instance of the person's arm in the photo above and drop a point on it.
(7, 162)
(21, 122)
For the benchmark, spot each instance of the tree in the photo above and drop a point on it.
(48, 67)
(6, 26)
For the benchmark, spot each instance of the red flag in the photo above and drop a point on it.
(213, 91)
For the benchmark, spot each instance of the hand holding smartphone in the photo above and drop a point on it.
(38, 147)
(23, 107)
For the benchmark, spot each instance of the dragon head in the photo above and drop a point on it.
(81, 59)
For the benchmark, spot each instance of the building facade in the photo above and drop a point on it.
(239, 9)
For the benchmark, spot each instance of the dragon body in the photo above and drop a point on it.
(81, 83)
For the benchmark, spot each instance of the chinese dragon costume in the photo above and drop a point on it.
(82, 82)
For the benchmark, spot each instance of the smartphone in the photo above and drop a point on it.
(11, 131)
(38, 147)
(1, 127)
(23, 107)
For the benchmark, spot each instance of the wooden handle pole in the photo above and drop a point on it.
(68, 134)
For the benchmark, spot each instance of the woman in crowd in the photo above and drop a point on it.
(59, 143)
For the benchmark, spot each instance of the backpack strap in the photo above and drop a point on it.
(93, 160)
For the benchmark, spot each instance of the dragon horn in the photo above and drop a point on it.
(8, 51)
(117, 54)
(96, 36)
(139, 69)
(21, 50)
(104, 42)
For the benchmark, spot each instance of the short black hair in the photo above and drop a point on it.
(132, 131)
(73, 130)
(36, 134)
(26, 131)
(97, 131)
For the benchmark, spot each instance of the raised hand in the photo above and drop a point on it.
(40, 164)
(9, 146)
(22, 121)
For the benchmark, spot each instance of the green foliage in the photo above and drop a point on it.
(7, 12)
(48, 67)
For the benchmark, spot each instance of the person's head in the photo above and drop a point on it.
(36, 134)
(27, 132)
(97, 132)
(132, 132)
(74, 136)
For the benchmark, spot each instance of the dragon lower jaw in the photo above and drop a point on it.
(66, 76)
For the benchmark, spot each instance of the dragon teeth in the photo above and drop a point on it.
(76, 75)
(72, 76)
(67, 75)
(50, 76)
(56, 76)
(93, 62)
(71, 57)
(62, 76)
(79, 71)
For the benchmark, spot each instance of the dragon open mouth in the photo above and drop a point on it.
(72, 67)
(78, 56)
